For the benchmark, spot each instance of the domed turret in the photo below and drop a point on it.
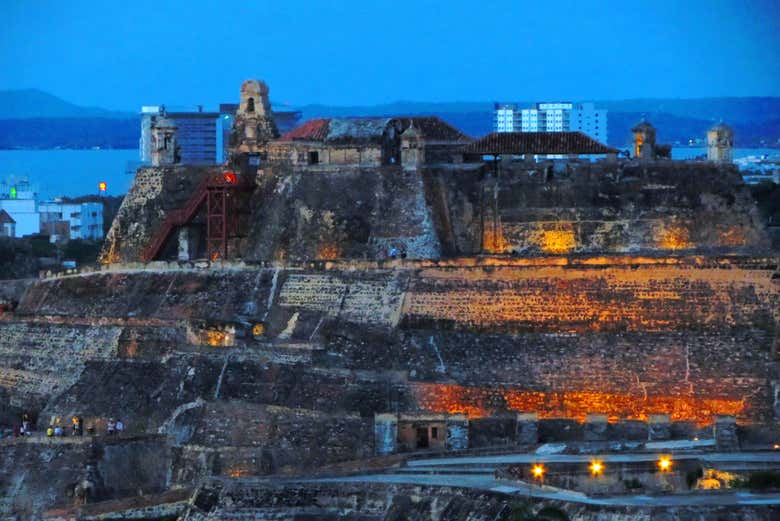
(644, 139)
(720, 143)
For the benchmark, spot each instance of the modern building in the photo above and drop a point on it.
(62, 220)
(203, 137)
(196, 134)
(19, 200)
(552, 117)
(506, 117)
(565, 117)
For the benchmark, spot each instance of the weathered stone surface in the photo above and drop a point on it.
(725, 433)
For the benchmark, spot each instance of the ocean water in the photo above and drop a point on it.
(70, 172)
(693, 152)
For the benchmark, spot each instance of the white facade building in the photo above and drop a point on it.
(552, 117)
(82, 220)
(19, 200)
(506, 117)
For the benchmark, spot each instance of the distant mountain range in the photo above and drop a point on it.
(34, 103)
(35, 119)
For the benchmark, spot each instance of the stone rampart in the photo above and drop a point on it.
(624, 336)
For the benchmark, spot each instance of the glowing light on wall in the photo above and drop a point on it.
(558, 241)
(480, 402)
(674, 238)
(493, 240)
(665, 463)
(596, 467)
(328, 251)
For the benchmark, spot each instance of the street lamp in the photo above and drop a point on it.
(596, 468)
(665, 463)
(538, 471)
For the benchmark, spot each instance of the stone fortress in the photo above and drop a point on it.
(359, 289)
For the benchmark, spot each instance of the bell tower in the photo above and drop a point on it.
(254, 127)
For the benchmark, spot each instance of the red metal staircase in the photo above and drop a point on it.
(213, 190)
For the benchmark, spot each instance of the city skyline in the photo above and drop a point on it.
(314, 52)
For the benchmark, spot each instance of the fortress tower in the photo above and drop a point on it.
(720, 143)
(164, 148)
(254, 127)
(644, 140)
(411, 151)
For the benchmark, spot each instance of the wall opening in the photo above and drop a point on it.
(422, 437)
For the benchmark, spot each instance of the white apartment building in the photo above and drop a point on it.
(552, 117)
(71, 220)
(506, 117)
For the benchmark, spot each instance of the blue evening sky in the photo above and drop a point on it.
(122, 54)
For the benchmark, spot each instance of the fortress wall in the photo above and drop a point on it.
(626, 336)
(546, 208)
(38, 474)
(343, 212)
(266, 439)
(567, 299)
(301, 214)
(38, 360)
(216, 295)
(552, 295)
(154, 192)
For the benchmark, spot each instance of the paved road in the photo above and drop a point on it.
(488, 483)
(768, 457)
(477, 472)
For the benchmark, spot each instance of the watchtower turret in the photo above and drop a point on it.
(720, 143)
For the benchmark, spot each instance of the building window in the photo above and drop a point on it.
(314, 157)
(434, 433)
(250, 105)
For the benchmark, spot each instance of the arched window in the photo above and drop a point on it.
(250, 105)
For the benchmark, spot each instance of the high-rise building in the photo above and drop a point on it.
(552, 117)
(196, 134)
(506, 117)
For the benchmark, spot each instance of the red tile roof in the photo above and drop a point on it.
(519, 143)
(312, 130)
(5, 218)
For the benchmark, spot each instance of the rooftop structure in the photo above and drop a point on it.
(538, 143)
(367, 141)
